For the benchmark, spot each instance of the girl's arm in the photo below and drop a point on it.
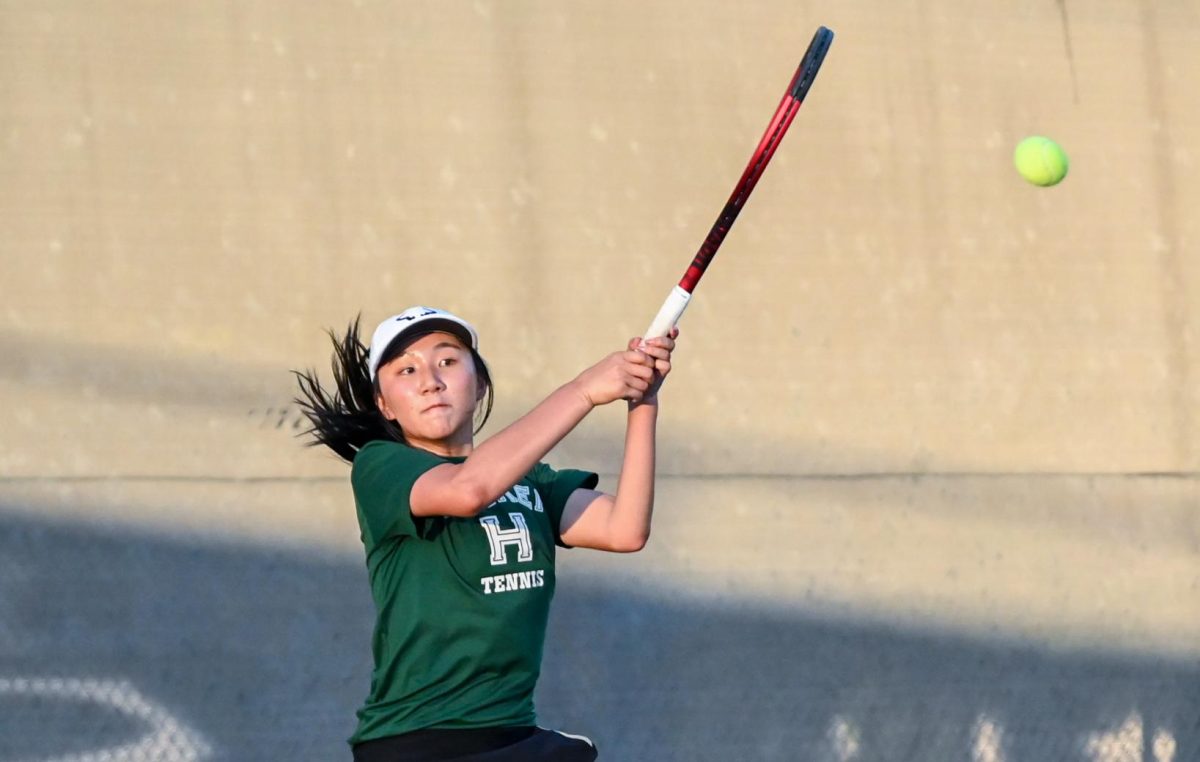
(464, 489)
(621, 522)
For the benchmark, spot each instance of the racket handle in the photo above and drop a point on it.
(668, 314)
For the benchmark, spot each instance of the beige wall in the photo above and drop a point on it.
(192, 191)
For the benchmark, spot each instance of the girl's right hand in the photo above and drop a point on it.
(624, 375)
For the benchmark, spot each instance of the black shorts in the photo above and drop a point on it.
(517, 744)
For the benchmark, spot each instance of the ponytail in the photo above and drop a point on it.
(345, 418)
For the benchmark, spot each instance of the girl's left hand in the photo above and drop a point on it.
(658, 356)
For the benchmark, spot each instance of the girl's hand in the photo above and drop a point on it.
(634, 374)
(621, 375)
(658, 353)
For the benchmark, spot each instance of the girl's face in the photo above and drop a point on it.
(431, 390)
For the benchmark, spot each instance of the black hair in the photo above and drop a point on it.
(346, 418)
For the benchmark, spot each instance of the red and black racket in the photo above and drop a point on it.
(681, 294)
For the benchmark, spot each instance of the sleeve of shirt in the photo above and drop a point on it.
(382, 478)
(555, 487)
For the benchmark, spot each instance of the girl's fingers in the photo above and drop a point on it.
(642, 371)
(658, 347)
(665, 341)
(639, 358)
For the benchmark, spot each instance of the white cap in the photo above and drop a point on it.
(424, 319)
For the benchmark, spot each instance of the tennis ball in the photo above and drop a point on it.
(1040, 160)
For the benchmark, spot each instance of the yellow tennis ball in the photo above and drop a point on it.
(1040, 160)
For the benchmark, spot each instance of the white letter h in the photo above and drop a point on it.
(500, 538)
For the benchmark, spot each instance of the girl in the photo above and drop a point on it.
(460, 539)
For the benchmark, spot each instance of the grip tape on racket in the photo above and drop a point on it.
(668, 314)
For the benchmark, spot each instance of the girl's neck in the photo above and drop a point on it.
(446, 449)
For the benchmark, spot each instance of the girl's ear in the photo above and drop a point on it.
(383, 408)
(480, 390)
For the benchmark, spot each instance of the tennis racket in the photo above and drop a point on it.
(681, 294)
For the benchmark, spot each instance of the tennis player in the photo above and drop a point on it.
(460, 538)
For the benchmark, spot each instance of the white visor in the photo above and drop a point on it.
(413, 320)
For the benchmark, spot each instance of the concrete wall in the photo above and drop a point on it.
(930, 456)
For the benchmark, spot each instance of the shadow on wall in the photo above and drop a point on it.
(164, 648)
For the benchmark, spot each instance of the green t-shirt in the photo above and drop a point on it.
(462, 602)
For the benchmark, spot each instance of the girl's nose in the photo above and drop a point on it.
(431, 381)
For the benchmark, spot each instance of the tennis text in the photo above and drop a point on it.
(506, 583)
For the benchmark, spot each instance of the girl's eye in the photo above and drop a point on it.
(449, 360)
(404, 371)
